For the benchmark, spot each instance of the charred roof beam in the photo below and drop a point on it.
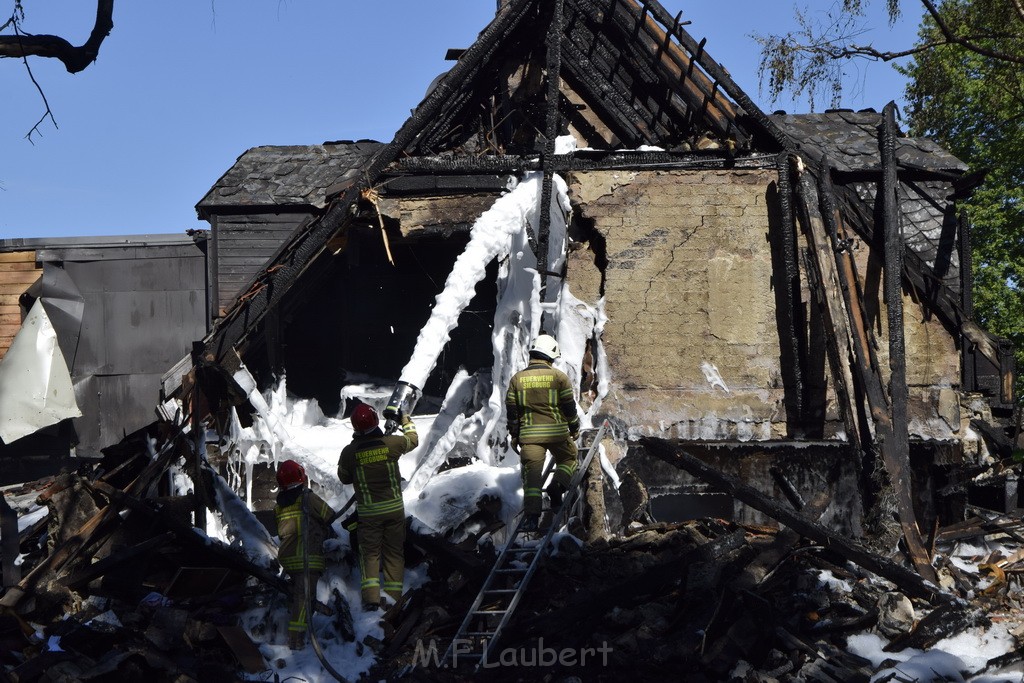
(309, 240)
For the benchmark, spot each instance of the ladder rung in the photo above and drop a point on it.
(517, 570)
(479, 633)
(502, 590)
(490, 611)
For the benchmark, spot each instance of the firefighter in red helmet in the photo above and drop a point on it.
(370, 463)
(300, 512)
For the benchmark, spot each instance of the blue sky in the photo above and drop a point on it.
(182, 88)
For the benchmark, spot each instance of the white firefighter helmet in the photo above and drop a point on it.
(546, 346)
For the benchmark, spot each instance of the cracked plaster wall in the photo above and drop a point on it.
(687, 282)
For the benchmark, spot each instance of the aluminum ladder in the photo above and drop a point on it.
(508, 579)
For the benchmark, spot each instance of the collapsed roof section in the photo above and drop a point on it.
(637, 91)
(628, 75)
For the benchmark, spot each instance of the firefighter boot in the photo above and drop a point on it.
(555, 493)
(530, 523)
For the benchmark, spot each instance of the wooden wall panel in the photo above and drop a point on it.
(18, 270)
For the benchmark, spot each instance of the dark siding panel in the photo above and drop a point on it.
(244, 245)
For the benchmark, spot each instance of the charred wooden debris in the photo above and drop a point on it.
(114, 582)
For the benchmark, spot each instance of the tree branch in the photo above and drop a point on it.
(75, 59)
(965, 41)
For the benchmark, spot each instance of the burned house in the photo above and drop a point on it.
(750, 266)
(778, 311)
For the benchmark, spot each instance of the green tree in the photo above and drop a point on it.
(966, 91)
(972, 102)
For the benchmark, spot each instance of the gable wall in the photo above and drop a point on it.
(688, 283)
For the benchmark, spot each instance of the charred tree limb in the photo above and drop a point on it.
(74, 58)
(905, 579)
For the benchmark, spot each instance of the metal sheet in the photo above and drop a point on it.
(35, 384)
(64, 305)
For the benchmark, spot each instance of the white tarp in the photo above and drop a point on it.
(35, 385)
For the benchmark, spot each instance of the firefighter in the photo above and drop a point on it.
(370, 462)
(542, 417)
(300, 512)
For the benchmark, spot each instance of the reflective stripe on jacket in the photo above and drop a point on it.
(288, 512)
(540, 404)
(370, 463)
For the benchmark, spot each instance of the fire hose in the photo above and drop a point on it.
(309, 590)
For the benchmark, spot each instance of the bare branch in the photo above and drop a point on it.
(75, 59)
(46, 103)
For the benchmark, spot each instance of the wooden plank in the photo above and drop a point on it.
(19, 277)
(8, 309)
(242, 647)
(9, 299)
(9, 330)
(10, 318)
(233, 243)
(17, 256)
(19, 265)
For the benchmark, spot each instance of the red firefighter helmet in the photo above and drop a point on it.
(364, 418)
(289, 474)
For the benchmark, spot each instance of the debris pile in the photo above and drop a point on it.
(117, 583)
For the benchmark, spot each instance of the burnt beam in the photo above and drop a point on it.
(905, 579)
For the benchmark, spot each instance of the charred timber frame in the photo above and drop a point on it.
(789, 290)
(823, 273)
(609, 104)
(905, 579)
(893, 276)
(551, 121)
(605, 60)
(585, 161)
(721, 76)
(894, 450)
(966, 297)
(288, 264)
(702, 93)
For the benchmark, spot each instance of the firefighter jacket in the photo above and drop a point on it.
(370, 463)
(292, 524)
(540, 405)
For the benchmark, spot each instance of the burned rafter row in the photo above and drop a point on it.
(643, 83)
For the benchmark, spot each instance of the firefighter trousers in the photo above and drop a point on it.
(381, 550)
(299, 619)
(532, 459)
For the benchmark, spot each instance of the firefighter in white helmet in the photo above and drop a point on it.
(542, 417)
